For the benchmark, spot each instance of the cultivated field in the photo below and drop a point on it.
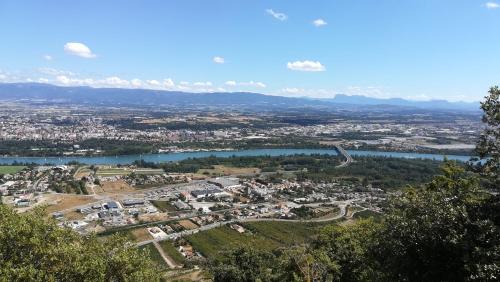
(225, 170)
(112, 171)
(64, 202)
(265, 236)
(172, 252)
(154, 255)
(187, 224)
(10, 169)
(114, 187)
(140, 234)
(164, 206)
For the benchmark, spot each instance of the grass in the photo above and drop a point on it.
(169, 248)
(266, 236)
(112, 171)
(286, 233)
(368, 214)
(212, 243)
(11, 169)
(227, 170)
(154, 255)
(148, 171)
(164, 206)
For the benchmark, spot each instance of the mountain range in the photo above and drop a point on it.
(37, 92)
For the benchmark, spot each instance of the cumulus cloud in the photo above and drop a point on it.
(491, 5)
(306, 66)
(78, 49)
(203, 84)
(136, 83)
(319, 22)
(48, 57)
(218, 60)
(277, 15)
(252, 83)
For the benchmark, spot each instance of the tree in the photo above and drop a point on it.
(347, 248)
(447, 231)
(488, 146)
(33, 248)
(245, 265)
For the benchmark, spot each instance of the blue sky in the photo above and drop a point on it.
(417, 49)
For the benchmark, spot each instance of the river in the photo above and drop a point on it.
(168, 157)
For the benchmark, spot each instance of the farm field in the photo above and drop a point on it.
(82, 172)
(149, 171)
(226, 170)
(264, 236)
(114, 187)
(154, 255)
(10, 169)
(64, 202)
(187, 224)
(172, 252)
(112, 172)
(163, 206)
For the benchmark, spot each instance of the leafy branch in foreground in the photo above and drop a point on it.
(33, 248)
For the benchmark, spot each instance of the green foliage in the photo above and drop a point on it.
(448, 231)
(381, 172)
(169, 248)
(345, 250)
(153, 254)
(10, 169)
(488, 146)
(33, 248)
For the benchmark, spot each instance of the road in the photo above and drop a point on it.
(342, 213)
(168, 260)
(347, 156)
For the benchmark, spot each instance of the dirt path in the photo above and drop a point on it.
(168, 260)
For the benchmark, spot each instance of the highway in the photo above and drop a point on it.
(345, 154)
(342, 213)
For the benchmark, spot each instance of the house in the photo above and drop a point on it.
(180, 205)
(112, 205)
(132, 202)
(199, 194)
(238, 228)
(186, 251)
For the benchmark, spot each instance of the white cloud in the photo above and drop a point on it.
(252, 83)
(78, 49)
(306, 66)
(153, 83)
(63, 79)
(48, 57)
(319, 23)
(3, 77)
(43, 80)
(277, 15)
(491, 5)
(202, 84)
(168, 83)
(218, 60)
(292, 90)
(136, 83)
(115, 81)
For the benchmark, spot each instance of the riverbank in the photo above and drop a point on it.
(173, 157)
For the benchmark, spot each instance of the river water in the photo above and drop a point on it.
(168, 157)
